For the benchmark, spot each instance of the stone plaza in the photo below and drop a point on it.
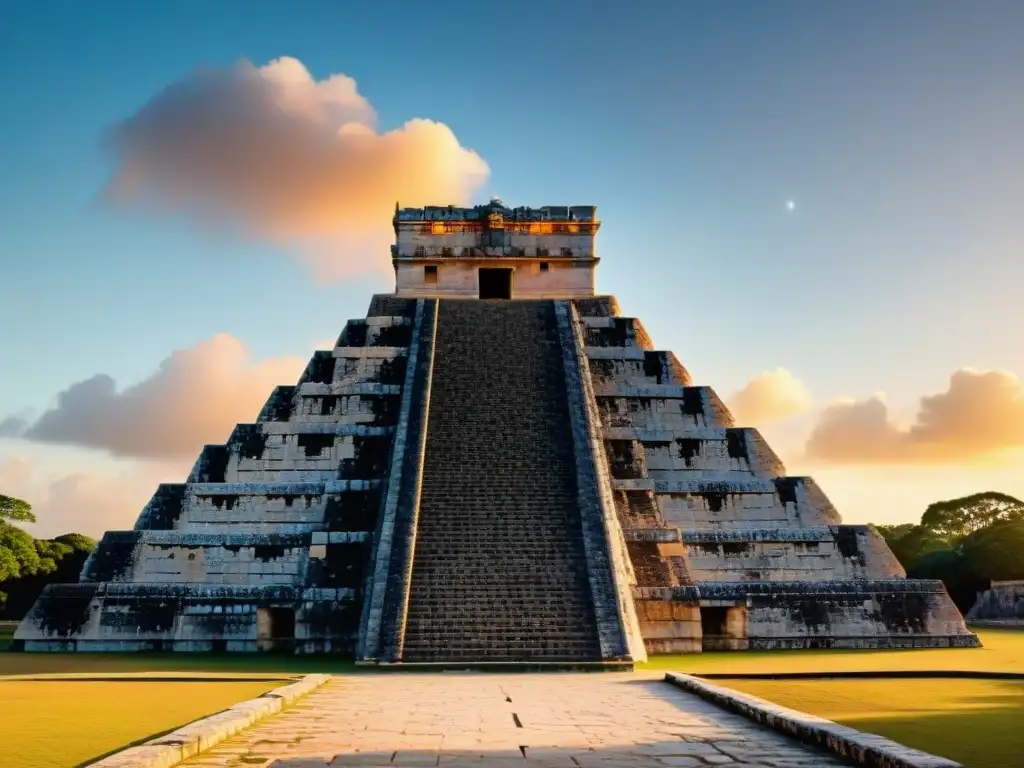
(494, 466)
(555, 721)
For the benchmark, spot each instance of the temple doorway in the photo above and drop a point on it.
(275, 629)
(495, 283)
(724, 628)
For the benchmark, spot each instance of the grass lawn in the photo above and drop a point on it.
(165, 664)
(975, 722)
(1003, 652)
(968, 720)
(57, 724)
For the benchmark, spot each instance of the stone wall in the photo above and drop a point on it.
(694, 535)
(495, 230)
(729, 552)
(531, 279)
(1003, 602)
(383, 621)
(268, 543)
(438, 251)
(610, 569)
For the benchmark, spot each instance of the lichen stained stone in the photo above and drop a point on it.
(475, 429)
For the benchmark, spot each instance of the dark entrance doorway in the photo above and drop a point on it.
(275, 629)
(495, 283)
(724, 628)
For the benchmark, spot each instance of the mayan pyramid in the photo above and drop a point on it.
(492, 466)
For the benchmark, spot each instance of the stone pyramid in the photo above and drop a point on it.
(492, 466)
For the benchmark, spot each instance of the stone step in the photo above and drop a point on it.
(452, 582)
(509, 628)
(499, 570)
(480, 612)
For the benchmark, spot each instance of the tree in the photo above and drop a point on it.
(909, 542)
(995, 553)
(28, 564)
(50, 553)
(956, 519)
(15, 509)
(77, 542)
(60, 561)
(948, 566)
(893, 533)
(9, 567)
(22, 546)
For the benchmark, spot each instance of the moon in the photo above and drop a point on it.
(791, 205)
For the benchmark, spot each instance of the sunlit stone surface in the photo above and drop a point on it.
(488, 720)
(492, 466)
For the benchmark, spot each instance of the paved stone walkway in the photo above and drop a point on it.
(594, 720)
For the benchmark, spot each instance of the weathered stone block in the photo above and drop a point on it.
(461, 480)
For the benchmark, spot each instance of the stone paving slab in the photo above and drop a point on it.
(492, 721)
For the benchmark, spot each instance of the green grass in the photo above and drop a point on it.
(191, 664)
(1003, 651)
(975, 722)
(57, 724)
(64, 722)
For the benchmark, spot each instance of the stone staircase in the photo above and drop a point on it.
(499, 573)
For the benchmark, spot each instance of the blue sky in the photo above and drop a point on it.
(895, 128)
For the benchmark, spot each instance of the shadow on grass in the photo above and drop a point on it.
(980, 727)
(975, 722)
(991, 737)
(144, 739)
(97, 664)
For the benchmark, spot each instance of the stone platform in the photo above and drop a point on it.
(560, 721)
(500, 470)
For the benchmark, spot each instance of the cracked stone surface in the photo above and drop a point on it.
(594, 720)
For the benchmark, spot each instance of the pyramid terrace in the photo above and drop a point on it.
(494, 465)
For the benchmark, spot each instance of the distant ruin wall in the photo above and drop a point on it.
(1001, 604)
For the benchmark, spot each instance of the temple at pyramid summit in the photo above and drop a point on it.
(493, 466)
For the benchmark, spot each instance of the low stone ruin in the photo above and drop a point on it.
(1002, 604)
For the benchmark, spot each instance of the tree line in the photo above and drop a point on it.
(28, 564)
(967, 543)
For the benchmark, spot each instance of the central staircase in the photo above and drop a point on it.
(499, 571)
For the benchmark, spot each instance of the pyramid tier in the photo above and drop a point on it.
(515, 481)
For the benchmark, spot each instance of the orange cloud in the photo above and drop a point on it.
(196, 396)
(283, 157)
(85, 502)
(774, 395)
(980, 415)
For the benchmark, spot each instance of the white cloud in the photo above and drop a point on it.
(196, 396)
(285, 158)
(979, 416)
(771, 396)
(88, 502)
